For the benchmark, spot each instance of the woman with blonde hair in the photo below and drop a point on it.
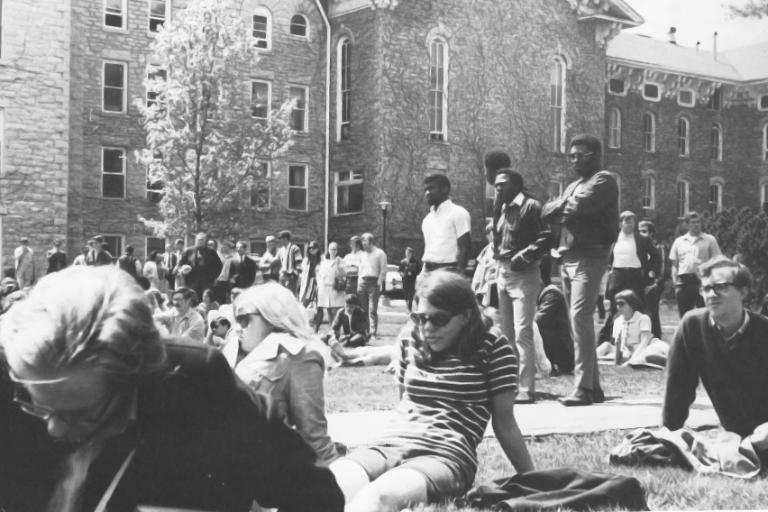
(283, 365)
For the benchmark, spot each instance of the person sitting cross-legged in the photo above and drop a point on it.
(455, 376)
(724, 346)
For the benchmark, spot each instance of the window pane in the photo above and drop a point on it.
(297, 199)
(259, 99)
(296, 176)
(685, 97)
(651, 91)
(113, 100)
(113, 13)
(299, 94)
(616, 85)
(113, 161)
(113, 185)
(299, 25)
(260, 29)
(114, 245)
(113, 75)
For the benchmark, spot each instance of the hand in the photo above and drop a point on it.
(759, 437)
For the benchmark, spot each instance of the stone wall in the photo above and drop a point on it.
(34, 99)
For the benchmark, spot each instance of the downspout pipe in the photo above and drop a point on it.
(327, 142)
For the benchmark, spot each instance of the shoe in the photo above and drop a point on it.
(525, 398)
(578, 398)
(598, 396)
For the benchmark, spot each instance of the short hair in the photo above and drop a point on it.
(187, 294)
(221, 320)
(626, 214)
(284, 234)
(647, 224)
(277, 305)
(630, 298)
(352, 299)
(439, 179)
(691, 215)
(514, 177)
(85, 316)
(590, 142)
(742, 276)
(495, 160)
(242, 243)
(128, 249)
(366, 236)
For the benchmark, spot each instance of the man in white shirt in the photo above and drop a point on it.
(446, 227)
(688, 252)
(372, 272)
(183, 321)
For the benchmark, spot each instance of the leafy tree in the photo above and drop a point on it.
(752, 9)
(207, 145)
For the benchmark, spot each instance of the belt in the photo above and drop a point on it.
(369, 278)
(430, 266)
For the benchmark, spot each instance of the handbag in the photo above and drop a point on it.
(339, 283)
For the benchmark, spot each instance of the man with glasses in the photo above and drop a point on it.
(585, 216)
(724, 346)
(98, 412)
(687, 253)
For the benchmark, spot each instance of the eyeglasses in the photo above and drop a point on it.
(87, 416)
(437, 319)
(578, 156)
(718, 288)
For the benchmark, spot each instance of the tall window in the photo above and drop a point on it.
(159, 12)
(716, 100)
(262, 29)
(683, 137)
(297, 187)
(114, 99)
(299, 25)
(261, 192)
(683, 198)
(649, 132)
(763, 193)
(349, 192)
(438, 88)
(649, 192)
(557, 104)
(614, 128)
(765, 142)
(762, 102)
(716, 143)
(115, 12)
(113, 173)
(155, 74)
(715, 197)
(261, 93)
(344, 88)
(299, 112)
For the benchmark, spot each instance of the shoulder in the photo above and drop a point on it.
(695, 318)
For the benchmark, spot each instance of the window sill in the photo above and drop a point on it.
(114, 30)
(350, 214)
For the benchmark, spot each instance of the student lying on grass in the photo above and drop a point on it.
(454, 377)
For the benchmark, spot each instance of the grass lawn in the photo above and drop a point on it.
(369, 389)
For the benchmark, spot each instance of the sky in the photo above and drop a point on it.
(696, 20)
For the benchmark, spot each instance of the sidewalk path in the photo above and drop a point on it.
(543, 418)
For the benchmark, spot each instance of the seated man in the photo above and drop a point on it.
(723, 345)
(350, 327)
(97, 411)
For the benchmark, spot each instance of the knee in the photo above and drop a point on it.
(373, 499)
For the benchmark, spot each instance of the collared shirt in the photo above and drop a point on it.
(189, 328)
(625, 252)
(520, 230)
(691, 251)
(442, 228)
(373, 263)
(735, 335)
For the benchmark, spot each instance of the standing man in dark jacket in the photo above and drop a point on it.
(409, 269)
(654, 290)
(586, 215)
(242, 269)
(519, 239)
(204, 265)
(57, 259)
(634, 262)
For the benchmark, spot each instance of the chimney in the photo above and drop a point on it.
(714, 45)
(671, 34)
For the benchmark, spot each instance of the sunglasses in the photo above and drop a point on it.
(437, 319)
(578, 156)
(718, 288)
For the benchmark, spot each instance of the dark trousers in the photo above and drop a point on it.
(652, 299)
(620, 279)
(687, 293)
(409, 289)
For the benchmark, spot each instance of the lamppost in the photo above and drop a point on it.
(384, 205)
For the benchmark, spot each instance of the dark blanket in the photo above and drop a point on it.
(559, 488)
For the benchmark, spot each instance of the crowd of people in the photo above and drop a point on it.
(196, 379)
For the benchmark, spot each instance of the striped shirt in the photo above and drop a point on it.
(446, 403)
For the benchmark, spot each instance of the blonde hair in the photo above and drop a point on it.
(277, 306)
(84, 316)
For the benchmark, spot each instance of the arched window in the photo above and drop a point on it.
(683, 198)
(716, 143)
(649, 191)
(262, 29)
(683, 137)
(438, 89)
(557, 103)
(614, 128)
(715, 196)
(649, 132)
(343, 88)
(299, 26)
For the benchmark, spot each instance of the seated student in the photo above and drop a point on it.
(724, 346)
(632, 341)
(96, 408)
(454, 376)
(555, 328)
(183, 321)
(283, 366)
(223, 336)
(350, 327)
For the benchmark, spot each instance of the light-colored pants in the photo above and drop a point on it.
(582, 271)
(368, 292)
(518, 291)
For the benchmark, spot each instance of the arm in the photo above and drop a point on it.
(508, 432)
(595, 193)
(673, 261)
(382, 269)
(464, 242)
(552, 211)
(542, 240)
(682, 379)
(196, 330)
(307, 405)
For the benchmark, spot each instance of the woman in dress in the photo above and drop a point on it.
(283, 365)
(155, 272)
(455, 376)
(331, 283)
(308, 283)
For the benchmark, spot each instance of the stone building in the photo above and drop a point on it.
(686, 129)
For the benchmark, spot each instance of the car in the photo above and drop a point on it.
(393, 283)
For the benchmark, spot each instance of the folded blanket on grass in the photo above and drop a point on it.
(727, 455)
(558, 489)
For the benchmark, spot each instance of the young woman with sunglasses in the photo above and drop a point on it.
(455, 376)
(282, 364)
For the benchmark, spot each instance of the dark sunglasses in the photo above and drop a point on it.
(437, 319)
(573, 157)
